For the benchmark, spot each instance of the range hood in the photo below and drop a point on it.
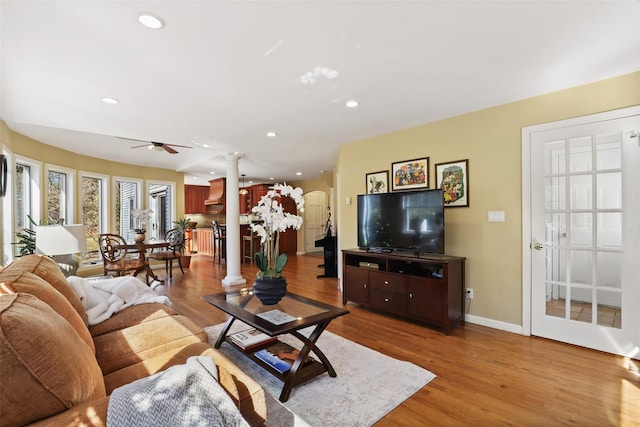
(215, 203)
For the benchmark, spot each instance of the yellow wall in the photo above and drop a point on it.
(491, 140)
(322, 183)
(27, 147)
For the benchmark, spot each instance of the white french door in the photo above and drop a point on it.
(315, 218)
(584, 219)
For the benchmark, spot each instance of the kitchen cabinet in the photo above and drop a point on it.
(194, 197)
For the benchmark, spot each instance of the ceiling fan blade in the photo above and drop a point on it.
(176, 145)
(169, 149)
(139, 146)
(132, 139)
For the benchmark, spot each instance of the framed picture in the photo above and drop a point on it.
(410, 174)
(453, 179)
(378, 182)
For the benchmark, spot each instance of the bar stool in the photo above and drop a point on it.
(248, 239)
(219, 242)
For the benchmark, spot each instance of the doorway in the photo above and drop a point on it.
(315, 219)
(581, 220)
(161, 204)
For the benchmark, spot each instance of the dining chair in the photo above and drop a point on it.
(219, 242)
(176, 242)
(116, 258)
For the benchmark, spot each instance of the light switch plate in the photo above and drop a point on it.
(496, 216)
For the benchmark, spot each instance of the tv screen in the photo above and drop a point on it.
(411, 220)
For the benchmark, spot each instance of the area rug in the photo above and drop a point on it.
(368, 386)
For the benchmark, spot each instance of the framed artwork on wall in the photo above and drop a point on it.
(378, 182)
(410, 174)
(453, 179)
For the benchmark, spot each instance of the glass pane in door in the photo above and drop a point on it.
(583, 256)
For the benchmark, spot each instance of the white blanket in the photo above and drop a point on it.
(102, 298)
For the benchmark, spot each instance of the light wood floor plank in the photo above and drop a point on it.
(485, 377)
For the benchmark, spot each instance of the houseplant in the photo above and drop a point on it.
(27, 239)
(184, 224)
(275, 220)
(140, 219)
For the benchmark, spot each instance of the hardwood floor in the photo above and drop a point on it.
(485, 377)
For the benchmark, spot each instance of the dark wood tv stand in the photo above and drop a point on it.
(428, 289)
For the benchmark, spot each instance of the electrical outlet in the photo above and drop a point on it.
(469, 293)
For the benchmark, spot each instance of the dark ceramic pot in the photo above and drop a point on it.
(270, 290)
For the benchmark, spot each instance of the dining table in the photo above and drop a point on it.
(142, 248)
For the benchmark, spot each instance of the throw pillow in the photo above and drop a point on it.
(45, 366)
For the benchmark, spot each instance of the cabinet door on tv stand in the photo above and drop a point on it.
(356, 286)
(425, 300)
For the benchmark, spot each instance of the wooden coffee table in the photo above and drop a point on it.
(291, 314)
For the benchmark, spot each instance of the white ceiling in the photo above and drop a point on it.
(223, 73)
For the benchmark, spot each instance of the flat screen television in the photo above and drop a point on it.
(404, 221)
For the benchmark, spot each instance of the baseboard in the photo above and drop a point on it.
(495, 324)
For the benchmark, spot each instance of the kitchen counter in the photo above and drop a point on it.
(203, 239)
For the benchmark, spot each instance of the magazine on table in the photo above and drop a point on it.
(251, 338)
(281, 356)
(274, 361)
(276, 317)
(287, 353)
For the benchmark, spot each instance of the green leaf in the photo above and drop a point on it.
(281, 261)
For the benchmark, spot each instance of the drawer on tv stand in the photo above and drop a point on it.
(388, 301)
(388, 282)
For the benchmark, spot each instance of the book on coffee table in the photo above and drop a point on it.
(251, 338)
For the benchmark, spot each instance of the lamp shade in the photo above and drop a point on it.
(61, 239)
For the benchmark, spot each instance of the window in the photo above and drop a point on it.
(127, 197)
(59, 200)
(26, 196)
(93, 211)
(23, 195)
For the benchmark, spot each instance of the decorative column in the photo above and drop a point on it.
(234, 274)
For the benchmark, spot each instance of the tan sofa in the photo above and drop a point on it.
(56, 370)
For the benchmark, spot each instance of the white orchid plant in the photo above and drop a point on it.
(270, 261)
(140, 219)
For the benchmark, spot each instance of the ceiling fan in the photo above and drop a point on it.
(158, 146)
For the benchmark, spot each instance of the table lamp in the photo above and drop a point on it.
(61, 242)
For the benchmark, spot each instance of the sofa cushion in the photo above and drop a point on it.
(45, 366)
(118, 349)
(133, 315)
(14, 280)
(48, 270)
(93, 413)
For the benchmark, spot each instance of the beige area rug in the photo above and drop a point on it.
(368, 386)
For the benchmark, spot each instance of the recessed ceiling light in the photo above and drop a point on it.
(272, 134)
(352, 103)
(298, 173)
(212, 173)
(109, 100)
(150, 20)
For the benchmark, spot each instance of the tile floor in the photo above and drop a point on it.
(582, 311)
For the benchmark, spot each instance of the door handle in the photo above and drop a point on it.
(537, 246)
